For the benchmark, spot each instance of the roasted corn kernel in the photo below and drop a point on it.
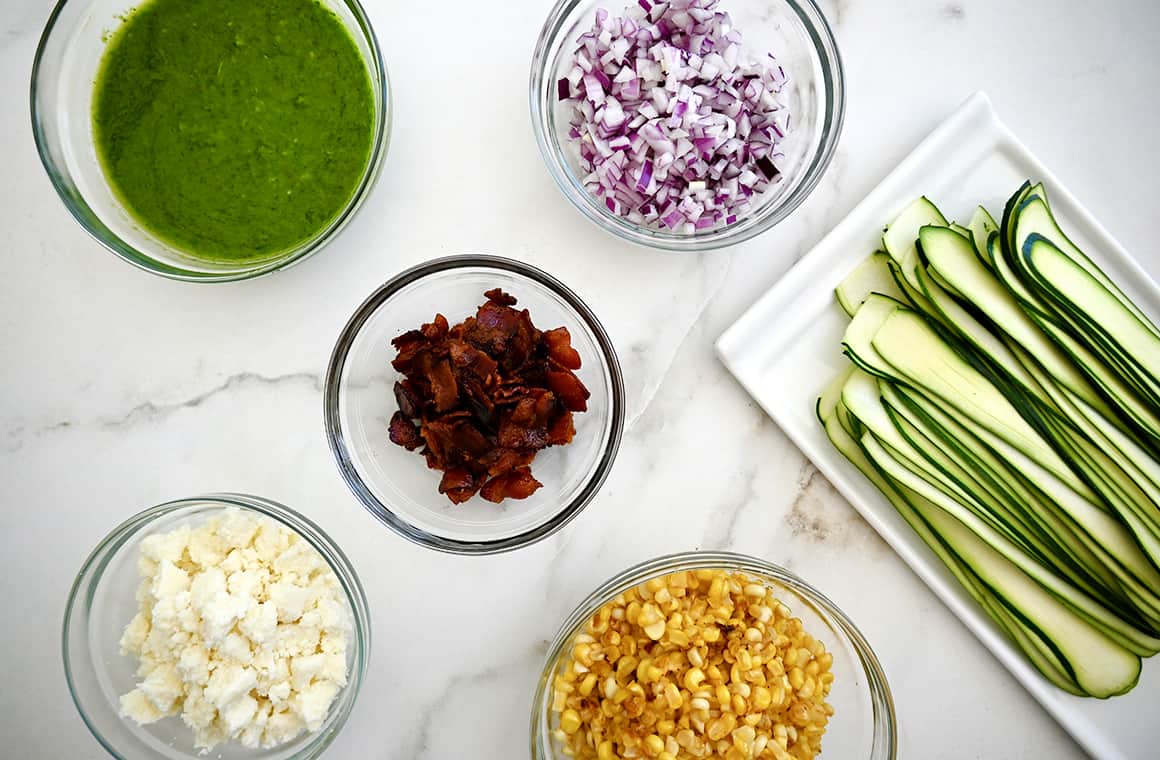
(700, 664)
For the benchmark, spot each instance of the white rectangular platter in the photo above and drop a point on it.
(786, 348)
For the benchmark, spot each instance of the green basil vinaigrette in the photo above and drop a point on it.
(233, 129)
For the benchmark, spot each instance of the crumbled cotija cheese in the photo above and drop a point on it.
(242, 630)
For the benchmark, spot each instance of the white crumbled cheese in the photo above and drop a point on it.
(242, 629)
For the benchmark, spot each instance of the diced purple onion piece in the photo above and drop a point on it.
(646, 172)
(676, 126)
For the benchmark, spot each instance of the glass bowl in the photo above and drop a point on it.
(863, 724)
(795, 31)
(395, 484)
(63, 71)
(103, 601)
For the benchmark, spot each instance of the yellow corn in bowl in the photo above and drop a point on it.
(711, 655)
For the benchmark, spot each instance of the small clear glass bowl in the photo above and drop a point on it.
(103, 601)
(797, 34)
(395, 484)
(63, 72)
(863, 724)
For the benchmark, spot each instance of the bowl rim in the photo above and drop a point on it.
(337, 440)
(80, 210)
(541, 93)
(93, 569)
(885, 730)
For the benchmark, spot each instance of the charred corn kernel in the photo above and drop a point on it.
(673, 696)
(719, 728)
(587, 685)
(701, 664)
(569, 721)
(723, 696)
(632, 612)
(744, 737)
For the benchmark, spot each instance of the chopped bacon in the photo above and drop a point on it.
(483, 396)
(568, 388)
(517, 484)
(407, 399)
(499, 461)
(496, 295)
(562, 430)
(403, 432)
(458, 484)
(560, 348)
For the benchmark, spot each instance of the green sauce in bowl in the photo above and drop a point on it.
(234, 130)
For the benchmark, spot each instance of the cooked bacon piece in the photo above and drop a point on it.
(470, 362)
(436, 329)
(559, 342)
(506, 334)
(499, 461)
(458, 484)
(478, 402)
(483, 396)
(568, 388)
(517, 484)
(562, 430)
(407, 399)
(443, 386)
(455, 441)
(496, 295)
(408, 345)
(403, 432)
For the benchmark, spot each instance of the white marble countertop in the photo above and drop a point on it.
(119, 390)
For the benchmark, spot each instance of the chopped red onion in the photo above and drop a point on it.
(675, 126)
